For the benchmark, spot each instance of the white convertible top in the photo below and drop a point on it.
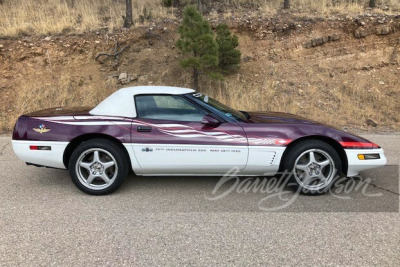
(121, 103)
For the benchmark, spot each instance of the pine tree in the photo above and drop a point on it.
(197, 44)
(229, 55)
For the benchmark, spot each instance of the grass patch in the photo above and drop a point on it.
(22, 17)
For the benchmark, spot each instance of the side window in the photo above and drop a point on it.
(167, 107)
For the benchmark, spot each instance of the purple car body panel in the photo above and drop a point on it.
(68, 124)
(292, 127)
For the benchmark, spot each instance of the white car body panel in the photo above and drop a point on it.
(355, 165)
(196, 160)
(188, 159)
(50, 158)
(216, 160)
(263, 160)
(166, 159)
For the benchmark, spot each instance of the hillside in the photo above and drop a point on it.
(338, 68)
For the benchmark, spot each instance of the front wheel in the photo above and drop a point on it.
(314, 166)
(98, 167)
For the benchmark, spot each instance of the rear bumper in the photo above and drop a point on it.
(49, 158)
(355, 165)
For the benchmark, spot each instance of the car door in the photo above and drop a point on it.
(169, 137)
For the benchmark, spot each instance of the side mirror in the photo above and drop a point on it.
(209, 120)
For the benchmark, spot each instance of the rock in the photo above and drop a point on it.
(318, 41)
(1, 46)
(321, 40)
(307, 45)
(247, 59)
(361, 33)
(333, 38)
(22, 58)
(123, 78)
(381, 82)
(371, 122)
(133, 77)
(383, 30)
(47, 39)
(97, 42)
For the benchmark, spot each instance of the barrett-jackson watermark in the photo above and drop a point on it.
(279, 190)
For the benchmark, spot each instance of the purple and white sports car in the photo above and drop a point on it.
(155, 130)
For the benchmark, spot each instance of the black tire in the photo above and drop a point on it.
(299, 153)
(108, 153)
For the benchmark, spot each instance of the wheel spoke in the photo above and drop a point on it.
(90, 179)
(105, 178)
(312, 157)
(307, 178)
(108, 164)
(302, 167)
(96, 156)
(324, 163)
(85, 165)
(322, 178)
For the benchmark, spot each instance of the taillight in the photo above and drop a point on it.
(40, 147)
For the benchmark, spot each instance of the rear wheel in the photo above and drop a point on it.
(98, 167)
(313, 165)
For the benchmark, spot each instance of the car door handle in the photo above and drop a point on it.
(143, 129)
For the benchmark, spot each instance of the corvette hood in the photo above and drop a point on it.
(277, 117)
(60, 111)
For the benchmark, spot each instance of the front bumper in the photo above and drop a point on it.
(355, 165)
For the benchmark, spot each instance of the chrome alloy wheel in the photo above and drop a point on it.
(96, 168)
(314, 169)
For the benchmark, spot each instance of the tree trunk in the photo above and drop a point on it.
(199, 7)
(195, 79)
(372, 3)
(286, 4)
(128, 19)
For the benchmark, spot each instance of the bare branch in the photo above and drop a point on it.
(116, 52)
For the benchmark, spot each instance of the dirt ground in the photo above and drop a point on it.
(342, 71)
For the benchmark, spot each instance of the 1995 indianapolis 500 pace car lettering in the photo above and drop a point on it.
(157, 130)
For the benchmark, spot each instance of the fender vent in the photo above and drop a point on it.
(271, 157)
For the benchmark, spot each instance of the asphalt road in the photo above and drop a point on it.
(45, 220)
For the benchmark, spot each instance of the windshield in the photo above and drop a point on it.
(230, 112)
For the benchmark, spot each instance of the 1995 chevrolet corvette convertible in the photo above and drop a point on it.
(156, 130)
